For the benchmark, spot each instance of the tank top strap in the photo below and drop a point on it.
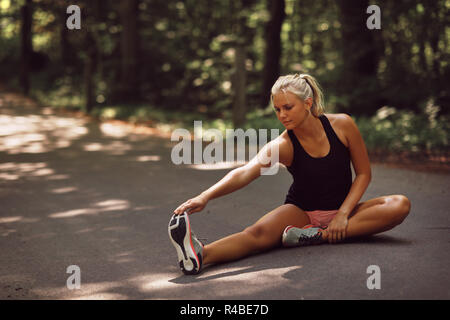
(332, 137)
(296, 144)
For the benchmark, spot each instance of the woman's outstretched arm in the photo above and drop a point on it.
(232, 181)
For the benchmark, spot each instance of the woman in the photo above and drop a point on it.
(322, 204)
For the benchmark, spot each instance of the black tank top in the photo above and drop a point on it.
(320, 183)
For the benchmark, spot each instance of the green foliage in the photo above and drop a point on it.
(186, 50)
(186, 62)
(392, 131)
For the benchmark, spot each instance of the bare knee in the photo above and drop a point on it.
(256, 232)
(259, 236)
(400, 206)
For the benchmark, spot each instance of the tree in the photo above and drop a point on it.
(243, 36)
(360, 59)
(129, 45)
(89, 71)
(26, 46)
(273, 48)
(239, 81)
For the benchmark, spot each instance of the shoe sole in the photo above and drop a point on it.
(180, 235)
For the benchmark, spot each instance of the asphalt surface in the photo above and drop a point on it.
(99, 196)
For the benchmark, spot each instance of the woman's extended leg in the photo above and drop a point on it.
(264, 234)
(377, 215)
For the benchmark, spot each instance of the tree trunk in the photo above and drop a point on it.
(65, 46)
(89, 71)
(240, 85)
(66, 54)
(359, 52)
(129, 50)
(26, 46)
(273, 48)
(243, 36)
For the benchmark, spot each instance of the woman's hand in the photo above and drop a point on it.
(337, 229)
(192, 205)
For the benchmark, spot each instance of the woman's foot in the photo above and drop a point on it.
(308, 235)
(189, 248)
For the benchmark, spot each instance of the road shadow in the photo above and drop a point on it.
(378, 239)
(282, 259)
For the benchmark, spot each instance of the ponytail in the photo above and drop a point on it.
(304, 86)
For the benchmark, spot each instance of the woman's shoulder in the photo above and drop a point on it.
(341, 123)
(338, 118)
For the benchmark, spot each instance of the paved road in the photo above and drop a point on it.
(74, 192)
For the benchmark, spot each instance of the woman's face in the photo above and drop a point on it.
(290, 110)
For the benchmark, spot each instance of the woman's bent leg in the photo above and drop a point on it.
(263, 235)
(377, 215)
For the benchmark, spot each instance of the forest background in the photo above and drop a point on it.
(165, 63)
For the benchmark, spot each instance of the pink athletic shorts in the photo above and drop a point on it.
(321, 218)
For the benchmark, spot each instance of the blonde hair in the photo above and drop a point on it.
(303, 86)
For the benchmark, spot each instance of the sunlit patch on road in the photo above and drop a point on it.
(247, 279)
(15, 171)
(38, 133)
(148, 158)
(113, 148)
(97, 208)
